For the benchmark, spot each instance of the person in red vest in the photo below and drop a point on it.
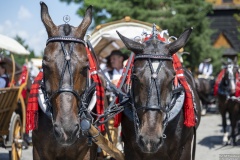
(4, 80)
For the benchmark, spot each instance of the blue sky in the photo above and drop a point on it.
(22, 17)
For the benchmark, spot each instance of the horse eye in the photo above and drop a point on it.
(45, 66)
(84, 71)
(46, 59)
(135, 78)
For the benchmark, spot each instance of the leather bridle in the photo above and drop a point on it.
(177, 93)
(81, 98)
(224, 86)
(154, 74)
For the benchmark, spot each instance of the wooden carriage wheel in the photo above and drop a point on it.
(16, 134)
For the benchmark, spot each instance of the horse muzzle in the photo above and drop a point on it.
(68, 135)
(148, 144)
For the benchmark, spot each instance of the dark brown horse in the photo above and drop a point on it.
(205, 92)
(64, 80)
(155, 128)
(234, 116)
(226, 89)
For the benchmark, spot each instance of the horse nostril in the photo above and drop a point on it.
(76, 129)
(57, 130)
(160, 140)
(141, 140)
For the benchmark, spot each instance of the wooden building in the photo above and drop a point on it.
(225, 25)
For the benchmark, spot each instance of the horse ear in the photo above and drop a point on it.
(87, 20)
(131, 45)
(47, 21)
(180, 42)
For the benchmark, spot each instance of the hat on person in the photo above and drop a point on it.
(207, 60)
(2, 62)
(118, 52)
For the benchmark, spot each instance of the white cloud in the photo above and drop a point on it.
(35, 41)
(23, 34)
(11, 29)
(38, 41)
(6, 24)
(24, 13)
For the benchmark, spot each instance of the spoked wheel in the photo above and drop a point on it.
(16, 137)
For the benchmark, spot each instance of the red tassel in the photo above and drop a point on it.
(32, 107)
(31, 121)
(189, 115)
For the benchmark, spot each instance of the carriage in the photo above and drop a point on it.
(12, 106)
(104, 38)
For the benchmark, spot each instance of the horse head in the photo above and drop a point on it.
(64, 67)
(228, 83)
(152, 86)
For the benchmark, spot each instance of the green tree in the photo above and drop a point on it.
(174, 15)
(237, 17)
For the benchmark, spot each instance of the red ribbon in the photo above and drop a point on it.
(118, 117)
(189, 116)
(99, 86)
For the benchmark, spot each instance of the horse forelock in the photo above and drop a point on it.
(67, 29)
(155, 46)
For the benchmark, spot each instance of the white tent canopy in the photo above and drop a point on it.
(12, 45)
(36, 62)
(104, 38)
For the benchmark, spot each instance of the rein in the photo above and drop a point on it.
(114, 107)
